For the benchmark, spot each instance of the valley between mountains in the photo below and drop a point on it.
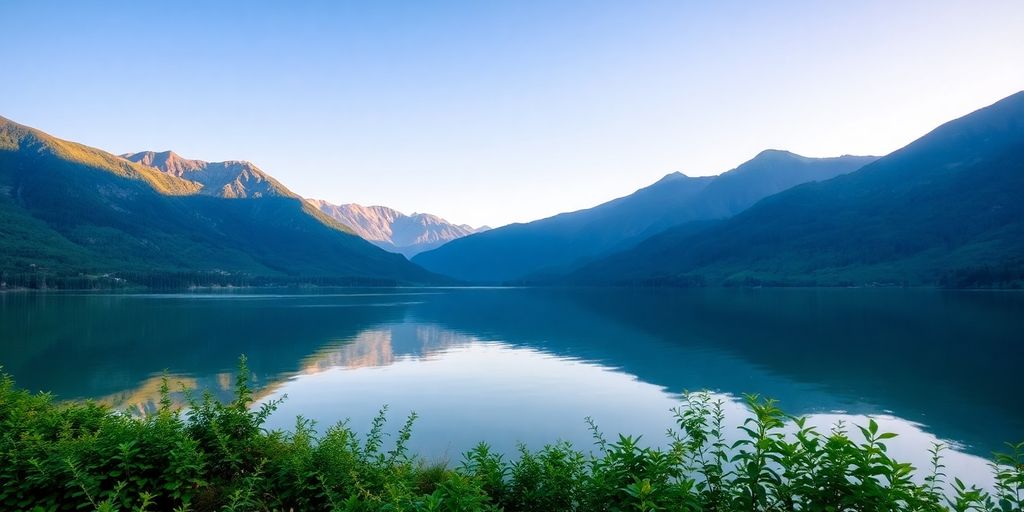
(945, 210)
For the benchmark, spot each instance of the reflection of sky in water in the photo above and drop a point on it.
(512, 366)
(468, 391)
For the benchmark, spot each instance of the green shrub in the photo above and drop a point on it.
(219, 456)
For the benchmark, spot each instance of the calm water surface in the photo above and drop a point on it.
(527, 366)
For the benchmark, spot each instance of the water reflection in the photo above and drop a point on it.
(528, 365)
(467, 389)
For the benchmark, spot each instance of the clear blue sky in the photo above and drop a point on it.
(493, 112)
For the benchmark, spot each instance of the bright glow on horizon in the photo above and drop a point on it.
(496, 112)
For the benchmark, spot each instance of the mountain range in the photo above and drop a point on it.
(537, 250)
(384, 227)
(72, 215)
(944, 210)
(393, 230)
(232, 179)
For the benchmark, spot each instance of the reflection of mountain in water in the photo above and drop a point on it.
(374, 347)
(369, 348)
(381, 346)
(940, 359)
(99, 345)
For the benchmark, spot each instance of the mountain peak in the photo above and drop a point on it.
(15, 136)
(232, 178)
(136, 230)
(933, 212)
(672, 176)
(167, 161)
(393, 230)
(776, 154)
(562, 242)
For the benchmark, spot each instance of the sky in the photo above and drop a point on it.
(501, 111)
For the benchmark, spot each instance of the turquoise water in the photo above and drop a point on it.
(528, 365)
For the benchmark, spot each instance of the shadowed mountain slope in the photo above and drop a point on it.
(945, 209)
(68, 211)
(567, 241)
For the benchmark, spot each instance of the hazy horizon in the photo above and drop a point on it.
(502, 112)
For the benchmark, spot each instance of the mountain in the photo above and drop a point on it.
(232, 179)
(567, 241)
(946, 209)
(72, 215)
(393, 230)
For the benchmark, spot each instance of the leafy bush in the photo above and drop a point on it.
(217, 456)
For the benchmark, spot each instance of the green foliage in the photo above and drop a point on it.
(219, 456)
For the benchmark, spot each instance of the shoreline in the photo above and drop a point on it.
(143, 289)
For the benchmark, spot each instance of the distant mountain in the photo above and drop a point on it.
(393, 230)
(77, 216)
(232, 179)
(946, 209)
(567, 241)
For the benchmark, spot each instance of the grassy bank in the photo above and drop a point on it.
(218, 456)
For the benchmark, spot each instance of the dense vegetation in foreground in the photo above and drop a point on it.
(219, 457)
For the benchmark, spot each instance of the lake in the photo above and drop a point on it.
(513, 366)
